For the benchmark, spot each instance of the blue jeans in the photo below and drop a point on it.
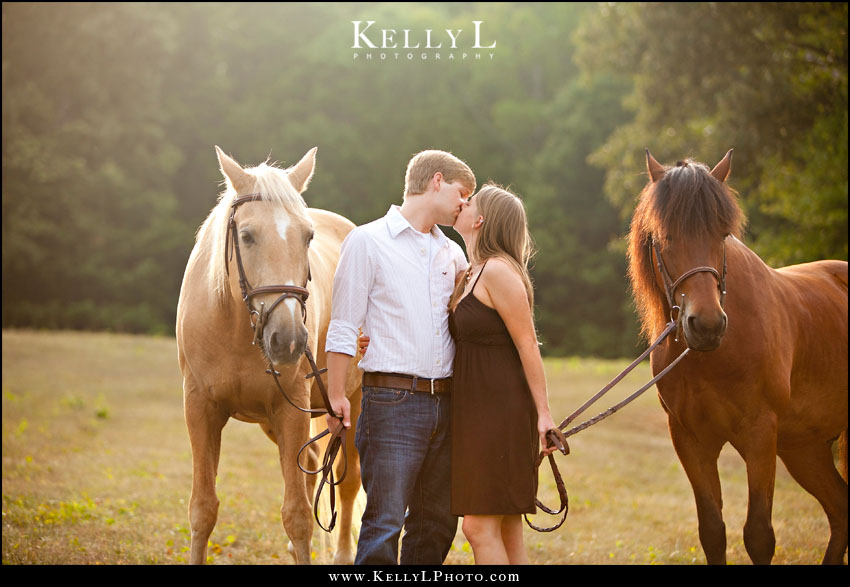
(404, 441)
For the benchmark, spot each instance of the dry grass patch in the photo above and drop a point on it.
(97, 470)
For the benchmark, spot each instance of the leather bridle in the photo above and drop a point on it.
(248, 292)
(300, 294)
(670, 285)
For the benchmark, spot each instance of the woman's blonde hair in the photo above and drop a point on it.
(504, 234)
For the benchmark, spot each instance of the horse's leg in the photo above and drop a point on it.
(759, 453)
(292, 430)
(813, 468)
(348, 490)
(310, 461)
(699, 459)
(205, 422)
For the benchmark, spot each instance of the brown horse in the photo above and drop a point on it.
(281, 243)
(770, 372)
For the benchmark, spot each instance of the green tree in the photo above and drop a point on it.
(583, 303)
(86, 204)
(111, 112)
(769, 79)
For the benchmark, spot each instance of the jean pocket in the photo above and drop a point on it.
(385, 395)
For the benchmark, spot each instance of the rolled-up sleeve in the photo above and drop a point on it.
(460, 259)
(353, 280)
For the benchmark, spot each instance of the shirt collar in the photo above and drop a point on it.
(396, 222)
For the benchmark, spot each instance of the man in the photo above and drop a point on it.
(394, 280)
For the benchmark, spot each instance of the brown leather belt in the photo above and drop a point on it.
(411, 382)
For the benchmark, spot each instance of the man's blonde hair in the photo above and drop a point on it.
(425, 164)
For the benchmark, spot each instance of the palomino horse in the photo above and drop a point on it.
(770, 372)
(282, 243)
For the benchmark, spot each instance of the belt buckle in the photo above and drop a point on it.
(432, 387)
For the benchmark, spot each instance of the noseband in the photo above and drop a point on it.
(670, 285)
(248, 292)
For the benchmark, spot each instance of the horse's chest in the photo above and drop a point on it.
(704, 409)
(249, 396)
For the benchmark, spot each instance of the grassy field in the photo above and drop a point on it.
(97, 470)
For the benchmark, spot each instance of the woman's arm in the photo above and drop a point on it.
(505, 291)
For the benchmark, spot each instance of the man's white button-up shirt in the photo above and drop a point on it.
(394, 282)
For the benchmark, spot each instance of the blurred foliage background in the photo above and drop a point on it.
(111, 112)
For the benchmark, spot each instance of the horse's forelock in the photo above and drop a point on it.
(270, 181)
(688, 203)
(275, 186)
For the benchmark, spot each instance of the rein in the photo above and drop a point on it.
(257, 319)
(558, 436)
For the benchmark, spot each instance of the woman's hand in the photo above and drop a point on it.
(363, 344)
(544, 424)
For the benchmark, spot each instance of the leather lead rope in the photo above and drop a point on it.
(557, 438)
(336, 442)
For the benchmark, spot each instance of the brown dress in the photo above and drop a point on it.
(494, 421)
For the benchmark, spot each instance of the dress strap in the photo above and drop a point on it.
(477, 278)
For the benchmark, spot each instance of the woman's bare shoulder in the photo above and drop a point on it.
(499, 273)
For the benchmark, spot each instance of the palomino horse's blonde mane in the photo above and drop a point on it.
(273, 183)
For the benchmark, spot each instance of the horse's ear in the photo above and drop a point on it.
(722, 169)
(302, 172)
(232, 171)
(655, 169)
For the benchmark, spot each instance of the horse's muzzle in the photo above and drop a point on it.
(704, 334)
(285, 347)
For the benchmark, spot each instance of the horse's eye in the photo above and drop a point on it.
(246, 237)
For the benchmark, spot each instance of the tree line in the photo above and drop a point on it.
(111, 112)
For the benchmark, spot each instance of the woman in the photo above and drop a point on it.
(500, 404)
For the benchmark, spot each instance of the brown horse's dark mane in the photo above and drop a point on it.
(687, 203)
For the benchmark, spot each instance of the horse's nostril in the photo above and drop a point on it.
(692, 323)
(285, 346)
(696, 325)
